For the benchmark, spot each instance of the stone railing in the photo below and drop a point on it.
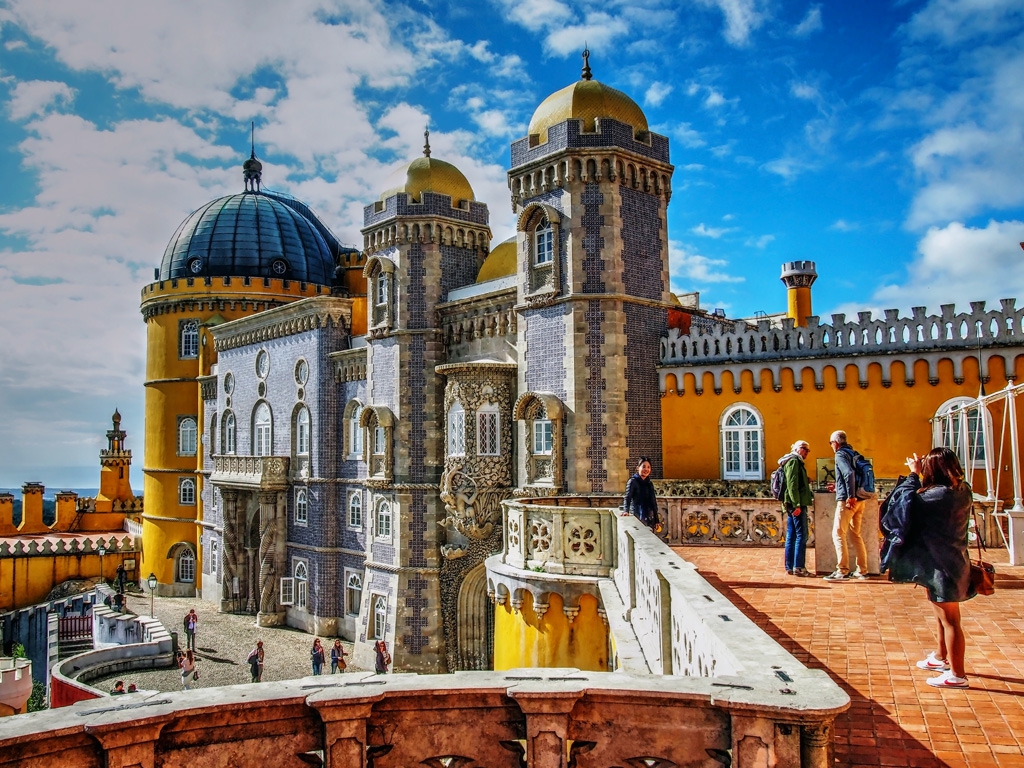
(919, 333)
(569, 535)
(111, 543)
(268, 472)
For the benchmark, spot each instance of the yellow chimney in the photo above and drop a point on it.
(799, 276)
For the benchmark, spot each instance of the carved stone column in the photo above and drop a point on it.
(817, 747)
(547, 725)
(268, 575)
(250, 586)
(230, 549)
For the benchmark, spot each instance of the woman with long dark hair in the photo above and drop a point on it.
(641, 499)
(925, 525)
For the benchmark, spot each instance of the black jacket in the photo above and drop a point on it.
(641, 499)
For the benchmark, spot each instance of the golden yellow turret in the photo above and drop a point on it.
(799, 276)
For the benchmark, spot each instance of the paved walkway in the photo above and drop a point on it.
(223, 640)
(868, 636)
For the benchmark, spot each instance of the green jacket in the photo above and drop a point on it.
(798, 485)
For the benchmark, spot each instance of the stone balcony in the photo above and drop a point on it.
(573, 535)
(267, 473)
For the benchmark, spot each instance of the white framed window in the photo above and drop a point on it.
(228, 438)
(353, 430)
(488, 435)
(965, 431)
(542, 437)
(353, 593)
(262, 431)
(301, 507)
(188, 345)
(302, 432)
(186, 566)
(287, 591)
(742, 443)
(186, 491)
(355, 509)
(380, 441)
(383, 526)
(188, 433)
(301, 574)
(381, 288)
(544, 243)
(380, 617)
(456, 430)
(214, 557)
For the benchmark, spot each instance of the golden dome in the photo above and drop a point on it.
(586, 100)
(425, 174)
(501, 262)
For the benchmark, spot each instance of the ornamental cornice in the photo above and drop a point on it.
(288, 320)
(177, 305)
(548, 299)
(478, 366)
(349, 364)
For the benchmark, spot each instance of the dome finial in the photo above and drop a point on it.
(586, 63)
(252, 169)
(426, 142)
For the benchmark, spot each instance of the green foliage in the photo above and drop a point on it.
(18, 651)
(37, 701)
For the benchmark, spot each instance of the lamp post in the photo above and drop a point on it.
(152, 590)
(102, 552)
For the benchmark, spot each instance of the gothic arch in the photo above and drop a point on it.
(475, 621)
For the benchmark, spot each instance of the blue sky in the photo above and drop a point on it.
(881, 140)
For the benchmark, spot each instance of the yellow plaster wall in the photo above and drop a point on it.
(27, 580)
(524, 640)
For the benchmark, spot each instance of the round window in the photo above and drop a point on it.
(301, 372)
(279, 266)
(195, 266)
(262, 364)
(229, 383)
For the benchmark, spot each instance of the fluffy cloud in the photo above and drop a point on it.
(34, 97)
(742, 18)
(810, 24)
(690, 268)
(713, 232)
(956, 21)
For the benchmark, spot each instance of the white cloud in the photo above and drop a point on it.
(689, 267)
(788, 167)
(32, 98)
(811, 22)
(842, 225)
(535, 15)
(597, 29)
(742, 18)
(656, 93)
(761, 242)
(713, 232)
(804, 91)
(956, 21)
(685, 134)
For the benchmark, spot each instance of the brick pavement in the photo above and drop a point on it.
(869, 635)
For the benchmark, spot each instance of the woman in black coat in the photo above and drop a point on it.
(640, 497)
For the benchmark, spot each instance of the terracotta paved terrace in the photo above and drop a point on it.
(869, 635)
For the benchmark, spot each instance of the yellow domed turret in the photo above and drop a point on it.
(426, 174)
(501, 262)
(586, 100)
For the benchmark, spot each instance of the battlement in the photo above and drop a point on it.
(921, 332)
(68, 545)
(204, 286)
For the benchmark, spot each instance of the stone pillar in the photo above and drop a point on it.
(250, 586)
(825, 558)
(128, 744)
(1016, 520)
(817, 747)
(268, 561)
(230, 549)
(345, 739)
(547, 725)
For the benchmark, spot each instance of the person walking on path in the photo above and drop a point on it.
(187, 665)
(641, 499)
(849, 513)
(383, 657)
(925, 524)
(797, 499)
(119, 579)
(338, 657)
(255, 661)
(317, 656)
(191, 620)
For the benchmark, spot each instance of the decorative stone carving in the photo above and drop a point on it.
(268, 553)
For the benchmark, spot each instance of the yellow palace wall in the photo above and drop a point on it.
(885, 423)
(27, 580)
(522, 639)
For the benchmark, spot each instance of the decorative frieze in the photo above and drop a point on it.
(265, 472)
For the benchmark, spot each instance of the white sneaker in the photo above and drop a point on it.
(948, 680)
(837, 575)
(931, 662)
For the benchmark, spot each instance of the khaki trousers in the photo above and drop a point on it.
(848, 522)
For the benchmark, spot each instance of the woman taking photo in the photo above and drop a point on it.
(925, 524)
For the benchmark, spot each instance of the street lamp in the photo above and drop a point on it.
(102, 552)
(152, 590)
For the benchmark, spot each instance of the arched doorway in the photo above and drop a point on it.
(475, 622)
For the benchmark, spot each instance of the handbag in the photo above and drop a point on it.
(983, 575)
(195, 675)
(342, 665)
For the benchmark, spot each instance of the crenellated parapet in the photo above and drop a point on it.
(41, 546)
(979, 333)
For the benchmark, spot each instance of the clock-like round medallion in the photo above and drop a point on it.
(301, 372)
(229, 383)
(262, 364)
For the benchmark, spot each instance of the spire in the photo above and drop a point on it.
(586, 63)
(426, 140)
(252, 169)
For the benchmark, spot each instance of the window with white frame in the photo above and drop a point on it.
(544, 243)
(262, 430)
(302, 432)
(383, 526)
(301, 507)
(188, 434)
(380, 441)
(353, 593)
(228, 438)
(381, 288)
(456, 430)
(742, 444)
(186, 566)
(542, 437)
(286, 593)
(301, 575)
(214, 557)
(355, 509)
(380, 617)
(354, 435)
(488, 436)
(186, 491)
(188, 345)
(963, 430)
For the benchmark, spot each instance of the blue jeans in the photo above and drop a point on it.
(796, 539)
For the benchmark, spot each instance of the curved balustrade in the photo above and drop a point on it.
(571, 535)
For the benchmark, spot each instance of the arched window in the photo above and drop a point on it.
(187, 492)
(301, 507)
(212, 434)
(302, 432)
(488, 435)
(353, 430)
(189, 341)
(353, 593)
(186, 566)
(381, 288)
(544, 243)
(380, 616)
(228, 438)
(187, 436)
(262, 430)
(301, 573)
(456, 430)
(383, 520)
(963, 430)
(355, 509)
(742, 444)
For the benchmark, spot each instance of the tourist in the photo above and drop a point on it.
(120, 578)
(118, 688)
(255, 661)
(797, 499)
(132, 688)
(338, 655)
(849, 514)
(383, 657)
(925, 526)
(317, 656)
(187, 665)
(190, 622)
(640, 497)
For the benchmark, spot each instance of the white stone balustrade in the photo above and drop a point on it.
(266, 472)
(568, 535)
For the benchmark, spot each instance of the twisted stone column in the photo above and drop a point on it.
(268, 553)
(230, 546)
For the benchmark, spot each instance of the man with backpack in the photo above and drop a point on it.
(849, 511)
(794, 492)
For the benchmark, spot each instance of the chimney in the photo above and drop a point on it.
(799, 276)
(32, 509)
(7, 527)
(67, 508)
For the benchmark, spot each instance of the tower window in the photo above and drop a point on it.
(542, 437)
(228, 439)
(187, 436)
(544, 243)
(353, 593)
(488, 440)
(186, 566)
(302, 432)
(301, 584)
(187, 492)
(301, 507)
(188, 342)
(383, 520)
(456, 430)
(355, 509)
(380, 616)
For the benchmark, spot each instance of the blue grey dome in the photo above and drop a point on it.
(251, 234)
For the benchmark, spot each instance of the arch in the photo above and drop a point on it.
(301, 506)
(475, 622)
(227, 439)
(301, 431)
(376, 264)
(532, 213)
(742, 443)
(183, 553)
(188, 436)
(549, 401)
(262, 429)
